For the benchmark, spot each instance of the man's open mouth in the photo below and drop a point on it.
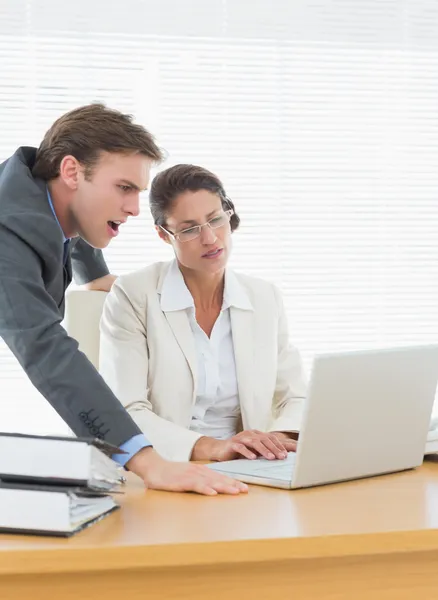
(114, 225)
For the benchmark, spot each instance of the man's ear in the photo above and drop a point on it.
(69, 171)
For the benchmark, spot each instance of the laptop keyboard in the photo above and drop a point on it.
(261, 467)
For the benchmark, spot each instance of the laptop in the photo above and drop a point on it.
(367, 413)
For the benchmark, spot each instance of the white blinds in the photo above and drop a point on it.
(320, 116)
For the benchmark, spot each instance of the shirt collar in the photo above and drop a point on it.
(175, 294)
(234, 292)
(49, 197)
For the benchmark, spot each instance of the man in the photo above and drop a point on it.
(60, 204)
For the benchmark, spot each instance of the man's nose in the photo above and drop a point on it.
(132, 206)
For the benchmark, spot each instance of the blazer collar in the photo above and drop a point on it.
(175, 295)
(175, 298)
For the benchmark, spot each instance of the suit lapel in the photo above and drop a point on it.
(180, 325)
(177, 316)
(242, 327)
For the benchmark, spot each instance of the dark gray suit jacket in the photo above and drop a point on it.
(33, 281)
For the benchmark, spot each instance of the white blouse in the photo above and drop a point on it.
(217, 408)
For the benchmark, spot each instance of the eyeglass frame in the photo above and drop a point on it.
(229, 213)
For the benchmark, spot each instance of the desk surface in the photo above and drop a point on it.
(388, 514)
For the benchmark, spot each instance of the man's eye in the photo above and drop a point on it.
(125, 188)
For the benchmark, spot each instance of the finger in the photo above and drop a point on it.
(279, 452)
(286, 445)
(203, 488)
(214, 479)
(242, 487)
(276, 447)
(269, 449)
(243, 450)
(221, 486)
(261, 449)
(290, 445)
(279, 442)
(270, 434)
(215, 483)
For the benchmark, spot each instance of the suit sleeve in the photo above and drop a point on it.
(290, 389)
(88, 263)
(124, 363)
(30, 324)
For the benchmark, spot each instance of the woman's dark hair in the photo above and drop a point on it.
(168, 184)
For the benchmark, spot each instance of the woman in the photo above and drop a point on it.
(199, 354)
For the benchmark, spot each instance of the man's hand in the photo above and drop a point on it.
(247, 444)
(102, 284)
(160, 474)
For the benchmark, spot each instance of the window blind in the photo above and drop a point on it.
(320, 116)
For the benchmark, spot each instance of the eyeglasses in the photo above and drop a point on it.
(187, 235)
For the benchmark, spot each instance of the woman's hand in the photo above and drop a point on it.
(246, 444)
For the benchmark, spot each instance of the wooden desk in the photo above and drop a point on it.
(374, 538)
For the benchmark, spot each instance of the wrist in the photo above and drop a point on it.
(205, 449)
(141, 462)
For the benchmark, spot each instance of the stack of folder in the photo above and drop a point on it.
(55, 485)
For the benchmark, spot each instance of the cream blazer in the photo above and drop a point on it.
(148, 358)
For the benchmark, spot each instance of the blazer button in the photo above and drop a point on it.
(83, 416)
(94, 430)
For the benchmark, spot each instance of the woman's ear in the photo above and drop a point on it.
(163, 235)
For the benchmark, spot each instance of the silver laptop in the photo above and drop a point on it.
(367, 413)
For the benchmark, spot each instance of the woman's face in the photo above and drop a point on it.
(209, 252)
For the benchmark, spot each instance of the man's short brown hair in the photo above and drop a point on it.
(87, 131)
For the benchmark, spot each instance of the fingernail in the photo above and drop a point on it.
(270, 455)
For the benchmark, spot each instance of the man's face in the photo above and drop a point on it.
(111, 194)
